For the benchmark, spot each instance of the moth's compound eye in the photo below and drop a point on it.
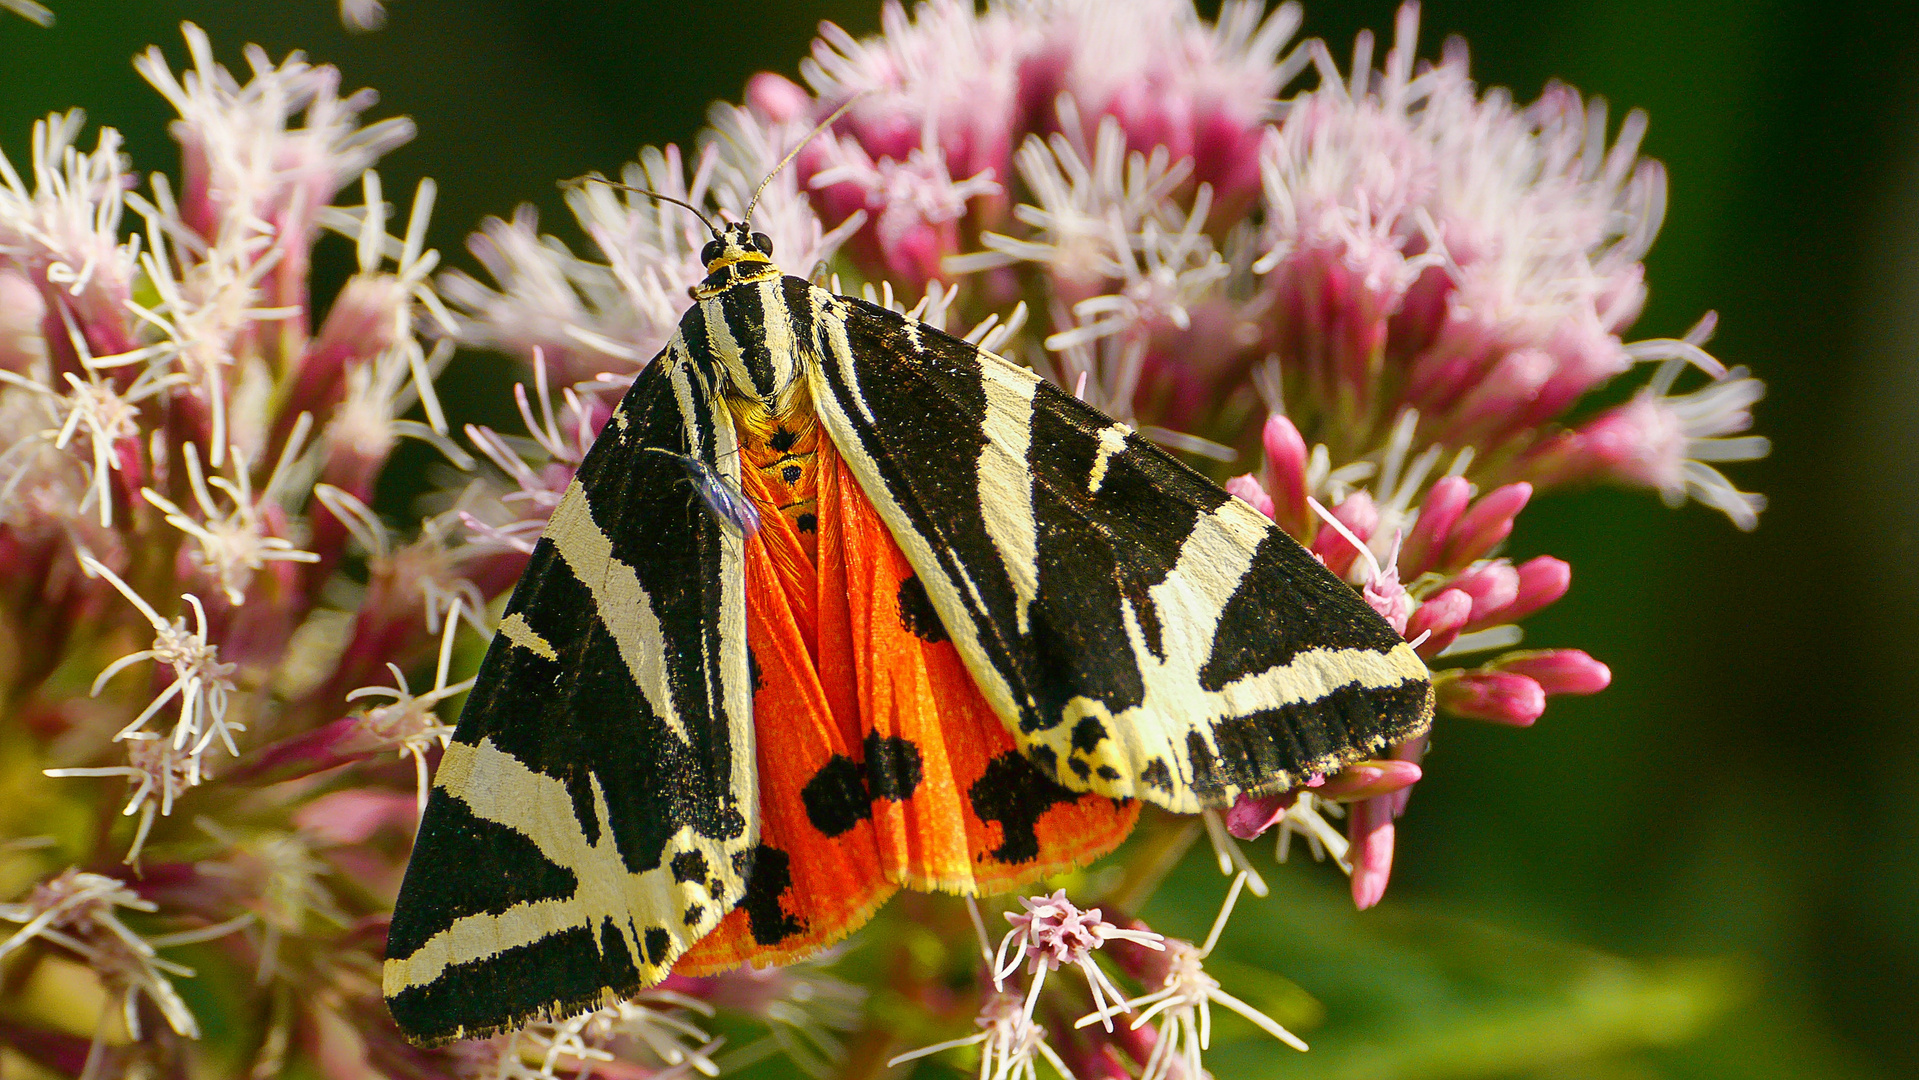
(764, 243)
(711, 251)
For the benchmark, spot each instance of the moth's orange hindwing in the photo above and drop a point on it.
(956, 805)
(817, 873)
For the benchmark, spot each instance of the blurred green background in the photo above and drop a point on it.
(1738, 817)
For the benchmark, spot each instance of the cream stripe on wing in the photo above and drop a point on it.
(1006, 479)
(776, 328)
(736, 680)
(496, 787)
(941, 589)
(515, 629)
(680, 378)
(619, 600)
(1112, 441)
(828, 315)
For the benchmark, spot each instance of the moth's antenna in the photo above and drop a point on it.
(795, 152)
(649, 194)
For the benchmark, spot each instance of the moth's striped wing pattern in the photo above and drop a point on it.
(596, 811)
(1140, 633)
(1143, 633)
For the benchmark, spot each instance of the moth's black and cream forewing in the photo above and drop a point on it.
(1141, 632)
(596, 811)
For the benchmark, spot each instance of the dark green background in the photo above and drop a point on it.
(1748, 786)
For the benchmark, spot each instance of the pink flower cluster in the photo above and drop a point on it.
(1415, 281)
(1391, 290)
(1394, 285)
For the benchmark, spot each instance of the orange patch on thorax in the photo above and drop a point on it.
(782, 447)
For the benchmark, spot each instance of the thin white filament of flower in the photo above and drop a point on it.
(1231, 859)
(1186, 998)
(1304, 818)
(197, 667)
(393, 717)
(234, 544)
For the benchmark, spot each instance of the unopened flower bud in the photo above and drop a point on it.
(1437, 516)
(777, 98)
(1486, 523)
(1371, 853)
(1368, 780)
(1251, 815)
(1248, 489)
(1558, 671)
(1493, 587)
(1499, 697)
(1358, 513)
(1286, 473)
(1441, 617)
(1542, 580)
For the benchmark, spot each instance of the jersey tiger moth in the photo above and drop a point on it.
(919, 618)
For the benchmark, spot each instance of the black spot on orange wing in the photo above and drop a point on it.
(782, 440)
(791, 474)
(1043, 756)
(772, 876)
(807, 523)
(894, 768)
(836, 798)
(1015, 794)
(916, 612)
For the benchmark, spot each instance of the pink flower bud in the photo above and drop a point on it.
(1286, 473)
(1559, 671)
(1498, 697)
(1542, 580)
(1437, 515)
(366, 318)
(1412, 751)
(1368, 780)
(1252, 815)
(1443, 615)
(1486, 523)
(777, 97)
(21, 312)
(1090, 1054)
(1357, 513)
(354, 815)
(1138, 1042)
(1493, 587)
(1248, 489)
(1371, 832)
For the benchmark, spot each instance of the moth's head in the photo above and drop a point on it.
(734, 256)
